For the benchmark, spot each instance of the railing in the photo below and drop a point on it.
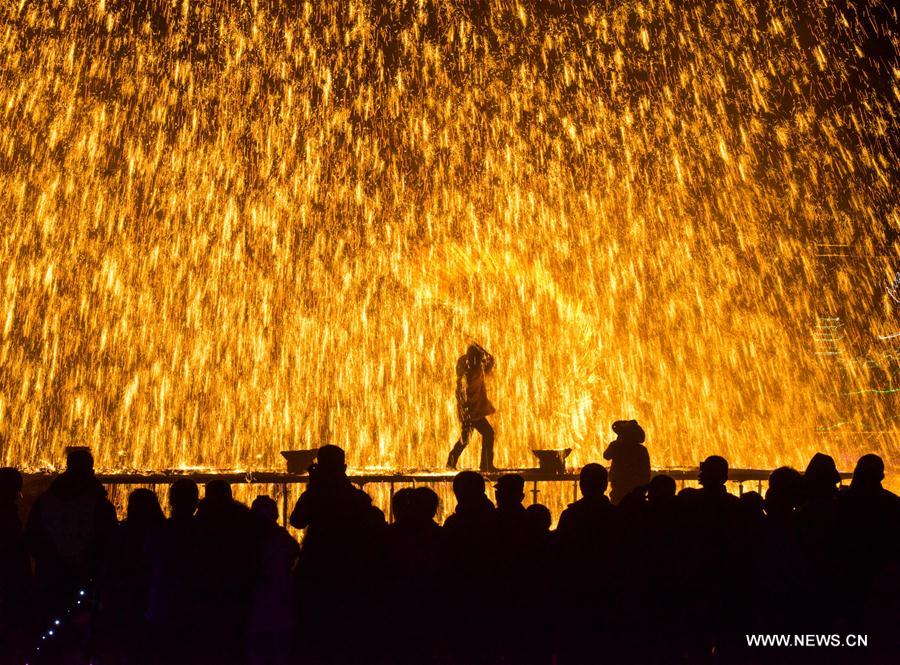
(739, 477)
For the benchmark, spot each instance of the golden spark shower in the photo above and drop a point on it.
(234, 228)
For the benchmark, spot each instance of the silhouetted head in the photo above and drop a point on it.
(468, 487)
(868, 474)
(628, 431)
(425, 503)
(634, 501)
(593, 480)
(752, 503)
(539, 517)
(821, 477)
(184, 495)
(402, 505)
(143, 508)
(509, 490)
(474, 355)
(688, 492)
(265, 509)
(218, 491)
(10, 484)
(79, 462)
(785, 490)
(713, 472)
(661, 488)
(331, 461)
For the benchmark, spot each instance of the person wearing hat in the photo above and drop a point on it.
(630, 461)
(473, 406)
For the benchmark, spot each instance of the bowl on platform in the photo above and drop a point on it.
(552, 461)
(298, 461)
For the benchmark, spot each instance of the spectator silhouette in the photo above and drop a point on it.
(867, 477)
(584, 525)
(629, 460)
(68, 532)
(780, 558)
(523, 624)
(659, 573)
(126, 579)
(414, 550)
(511, 517)
(818, 531)
(402, 506)
(661, 490)
(474, 510)
(15, 568)
(784, 495)
(753, 506)
(340, 558)
(225, 552)
(869, 568)
(711, 559)
(590, 539)
(519, 563)
(821, 479)
(540, 519)
(173, 602)
(471, 566)
(425, 503)
(272, 613)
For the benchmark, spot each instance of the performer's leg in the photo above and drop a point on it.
(459, 446)
(487, 444)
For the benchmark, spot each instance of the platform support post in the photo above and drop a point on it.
(391, 504)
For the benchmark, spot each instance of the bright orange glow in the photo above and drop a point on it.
(228, 232)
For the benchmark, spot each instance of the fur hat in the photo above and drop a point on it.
(629, 430)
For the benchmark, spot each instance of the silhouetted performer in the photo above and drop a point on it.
(15, 570)
(272, 613)
(339, 559)
(173, 603)
(68, 531)
(630, 461)
(473, 406)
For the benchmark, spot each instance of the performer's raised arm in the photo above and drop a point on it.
(473, 405)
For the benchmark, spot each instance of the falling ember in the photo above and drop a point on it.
(235, 228)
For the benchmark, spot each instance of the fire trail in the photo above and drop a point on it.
(232, 228)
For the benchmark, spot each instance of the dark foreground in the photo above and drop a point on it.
(661, 577)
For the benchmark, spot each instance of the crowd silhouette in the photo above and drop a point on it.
(652, 576)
